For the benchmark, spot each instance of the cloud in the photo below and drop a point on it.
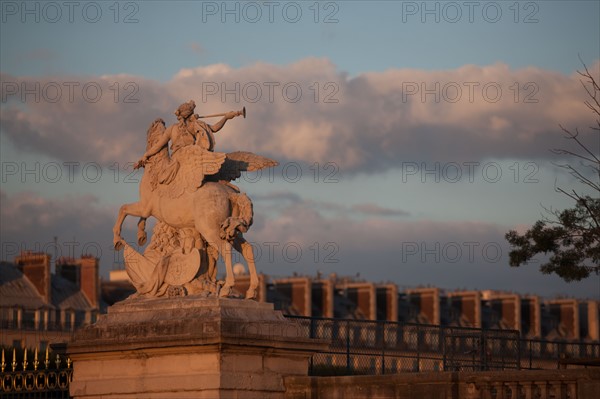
(304, 223)
(448, 254)
(278, 199)
(376, 210)
(196, 48)
(300, 238)
(310, 111)
(278, 196)
(36, 55)
(80, 223)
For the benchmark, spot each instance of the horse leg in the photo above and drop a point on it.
(217, 246)
(123, 212)
(133, 209)
(141, 232)
(229, 278)
(245, 248)
(213, 257)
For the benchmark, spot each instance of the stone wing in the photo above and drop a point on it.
(241, 161)
(195, 163)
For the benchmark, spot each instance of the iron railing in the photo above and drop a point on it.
(383, 347)
(354, 347)
(24, 375)
(540, 354)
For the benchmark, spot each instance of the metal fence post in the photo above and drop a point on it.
(348, 347)
(530, 354)
(383, 326)
(519, 351)
(503, 359)
(559, 353)
(418, 348)
(443, 344)
(483, 359)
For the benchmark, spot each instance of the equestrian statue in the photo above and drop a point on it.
(201, 215)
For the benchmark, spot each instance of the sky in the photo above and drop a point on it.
(411, 136)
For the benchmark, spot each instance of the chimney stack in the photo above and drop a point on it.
(90, 282)
(593, 323)
(83, 272)
(36, 267)
(70, 269)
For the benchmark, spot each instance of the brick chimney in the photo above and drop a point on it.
(567, 312)
(69, 269)
(36, 267)
(90, 282)
(593, 323)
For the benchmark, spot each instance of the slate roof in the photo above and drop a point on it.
(17, 290)
(66, 295)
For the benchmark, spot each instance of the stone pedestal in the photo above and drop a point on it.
(188, 348)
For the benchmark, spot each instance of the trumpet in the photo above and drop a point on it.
(238, 113)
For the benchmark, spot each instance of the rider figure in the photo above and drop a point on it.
(182, 134)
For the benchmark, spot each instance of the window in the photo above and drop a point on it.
(67, 319)
(28, 321)
(79, 318)
(15, 317)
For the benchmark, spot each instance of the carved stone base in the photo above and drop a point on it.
(188, 347)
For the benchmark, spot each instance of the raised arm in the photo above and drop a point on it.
(219, 125)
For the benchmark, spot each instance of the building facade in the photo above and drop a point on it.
(38, 307)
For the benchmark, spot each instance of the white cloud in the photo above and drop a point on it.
(379, 120)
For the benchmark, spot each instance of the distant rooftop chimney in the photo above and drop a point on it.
(84, 273)
(36, 267)
(69, 269)
(90, 282)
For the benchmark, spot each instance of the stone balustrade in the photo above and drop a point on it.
(525, 384)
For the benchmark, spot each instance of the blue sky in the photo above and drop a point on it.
(376, 142)
(368, 35)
